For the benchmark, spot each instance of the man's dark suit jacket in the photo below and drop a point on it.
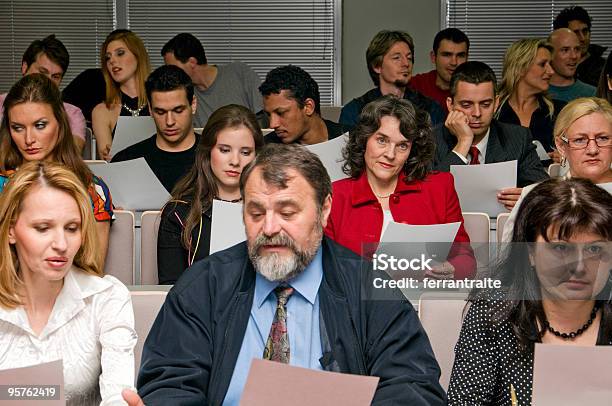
(507, 142)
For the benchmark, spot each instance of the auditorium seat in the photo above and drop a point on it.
(146, 306)
(441, 315)
(149, 226)
(121, 247)
(478, 226)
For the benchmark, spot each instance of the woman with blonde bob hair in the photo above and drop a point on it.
(54, 301)
(583, 136)
(523, 91)
(125, 66)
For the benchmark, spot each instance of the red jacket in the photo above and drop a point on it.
(357, 216)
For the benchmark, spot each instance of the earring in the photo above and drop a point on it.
(563, 162)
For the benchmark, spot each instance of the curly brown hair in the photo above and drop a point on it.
(415, 126)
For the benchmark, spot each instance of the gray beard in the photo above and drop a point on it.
(280, 268)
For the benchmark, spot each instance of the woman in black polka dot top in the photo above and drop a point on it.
(556, 291)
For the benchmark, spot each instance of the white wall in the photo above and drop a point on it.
(362, 19)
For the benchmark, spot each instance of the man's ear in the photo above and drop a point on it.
(326, 210)
(192, 62)
(432, 56)
(309, 106)
(449, 103)
(194, 104)
(496, 103)
(24, 68)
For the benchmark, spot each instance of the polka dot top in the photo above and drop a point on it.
(487, 361)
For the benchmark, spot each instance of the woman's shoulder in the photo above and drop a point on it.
(179, 206)
(343, 187)
(438, 179)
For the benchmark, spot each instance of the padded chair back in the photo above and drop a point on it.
(149, 227)
(331, 113)
(146, 306)
(556, 170)
(120, 255)
(87, 152)
(441, 316)
(501, 223)
(478, 226)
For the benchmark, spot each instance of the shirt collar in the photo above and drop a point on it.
(306, 283)
(482, 145)
(77, 287)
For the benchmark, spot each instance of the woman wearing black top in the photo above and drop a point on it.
(556, 291)
(228, 143)
(523, 90)
(125, 66)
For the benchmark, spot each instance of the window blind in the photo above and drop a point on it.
(81, 26)
(263, 34)
(493, 25)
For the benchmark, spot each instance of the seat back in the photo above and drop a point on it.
(557, 171)
(149, 227)
(441, 315)
(146, 306)
(501, 223)
(331, 113)
(478, 226)
(121, 247)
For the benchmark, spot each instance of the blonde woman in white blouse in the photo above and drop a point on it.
(54, 302)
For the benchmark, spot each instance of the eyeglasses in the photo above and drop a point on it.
(602, 141)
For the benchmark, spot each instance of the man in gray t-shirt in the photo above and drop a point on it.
(215, 86)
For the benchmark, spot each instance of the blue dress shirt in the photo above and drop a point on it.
(302, 325)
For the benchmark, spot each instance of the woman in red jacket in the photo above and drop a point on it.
(388, 158)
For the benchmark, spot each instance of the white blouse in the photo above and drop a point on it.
(91, 328)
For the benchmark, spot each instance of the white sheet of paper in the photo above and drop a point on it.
(417, 239)
(477, 185)
(606, 186)
(227, 227)
(266, 131)
(133, 185)
(49, 377)
(572, 375)
(542, 154)
(330, 154)
(274, 384)
(131, 130)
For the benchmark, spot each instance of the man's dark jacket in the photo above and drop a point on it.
(190, 353)
(590, 69)
(349, 115)
(507, 142)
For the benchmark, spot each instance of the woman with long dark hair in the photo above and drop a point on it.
(555, 278)
(228, 143)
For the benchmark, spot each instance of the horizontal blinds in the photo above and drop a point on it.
(493, 25)
(261, 33)
(81, 26)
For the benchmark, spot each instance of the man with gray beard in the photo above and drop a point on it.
(287, 294)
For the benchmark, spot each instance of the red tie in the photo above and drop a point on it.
(474, 152)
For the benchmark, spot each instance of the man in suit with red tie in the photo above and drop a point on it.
(471, 136)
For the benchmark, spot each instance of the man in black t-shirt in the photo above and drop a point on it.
(171, 151)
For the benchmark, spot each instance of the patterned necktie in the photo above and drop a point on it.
(474, 152)
(277, 346)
